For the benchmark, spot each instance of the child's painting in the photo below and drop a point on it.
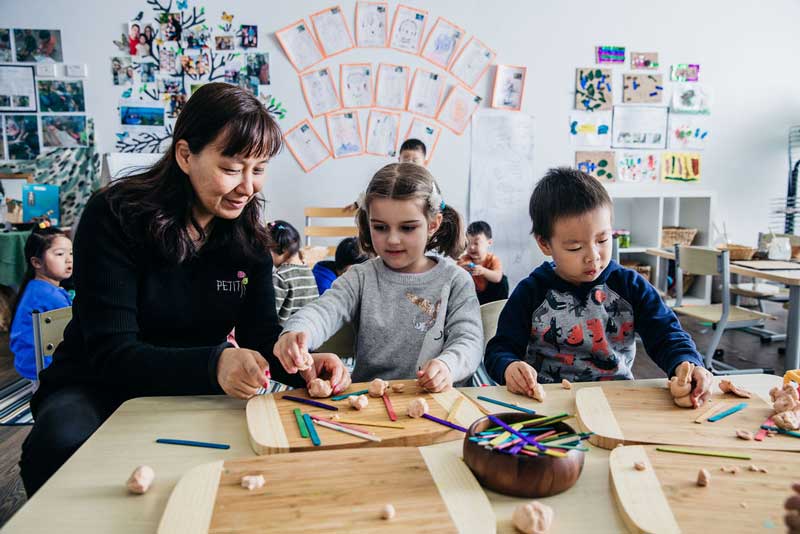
(407, 29)
(638, 166)
(344, 133)
(685, 73)
(683, 167)
(383, 133)
(642, 88)
(690, 98)
(333, 35)
(391, 89)
(319, 91)
(442, 43)
(644, 60)
(426, 93)
(300, 45)
(38, 46)
(458, 109)
(472, 62)
(639, 127)
(356, 84)
(609, 54)
(602, 164)
(427, 132)
(688, 132)
(590, 128)
(593, 89)
(509, 87)
(306, 146)
(372, 23)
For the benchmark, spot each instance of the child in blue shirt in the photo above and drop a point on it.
(348, 253)
(49, 255)
(575, 318)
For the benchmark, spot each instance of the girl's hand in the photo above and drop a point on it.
(702, 380)
(434, 376)
(792, 505)
(521, 378)
(241, 372)
(292, 351)
(328, 366)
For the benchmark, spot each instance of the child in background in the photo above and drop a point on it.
(416, 315)
(348, 254)
(293, 280)
(413, 151)
(49, 255)
(485, 268)
(576, 318)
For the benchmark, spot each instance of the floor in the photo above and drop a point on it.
(741, 350)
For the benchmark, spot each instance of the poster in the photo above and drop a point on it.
(690, 98)
(372, 23)
(391, 89)
(408, 28)
(442, 42)
(509, 87)
(333, 35)
(644, 60)
(639, 127)
(299, 45)
(319, 91)
(458, 109)
(638, 166)
(427, 89)
(472, 62)
(587, 128)
(688, 132)
(306, 146)
(682, 167)
(642, 88)
(601, 164)
(6, 54)
(355, 80)
(383, 133)
(593, 89)
(427, 132)
(344, 133)
(17, 88)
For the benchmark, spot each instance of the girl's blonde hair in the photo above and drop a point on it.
(408, 181)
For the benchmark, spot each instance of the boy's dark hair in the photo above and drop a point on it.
(414, 144)
(349, 253)
(283, 237)
(564, 192)
(478, 228)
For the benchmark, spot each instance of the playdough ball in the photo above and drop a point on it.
(640, 466)
(319, 388)
(678, 388)
(787, 420)
(566, 384)
(358, 402)
(141, 479)
(729, 387)
(417, 408)
(378, 387)
(252, 482)
(703, 478)
(533, 518)
(538, 392)
(387, 512)
(308, 363)
(684, 402)
(398, 388)
(744, 434)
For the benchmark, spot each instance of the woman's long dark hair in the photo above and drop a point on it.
(39, 242)
(156, 206)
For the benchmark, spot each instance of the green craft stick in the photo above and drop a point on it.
(300, 423)
(541, 420)
(718, 454)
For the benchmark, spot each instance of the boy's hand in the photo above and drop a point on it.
(478, 270)
(292, 351)
(792, 505)
(702, 381)
(328, 366)
(521, 378)
(434, 376)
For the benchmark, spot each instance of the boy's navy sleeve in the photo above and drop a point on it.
(665, 340)
(513, 332)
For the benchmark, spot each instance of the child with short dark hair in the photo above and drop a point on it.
(348, 253)
(576, 318)
(293, 280)
(413, 151)
(485, 268)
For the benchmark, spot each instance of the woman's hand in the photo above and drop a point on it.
(521, 378)
(702, 380)
(328, 366)
(241, 372)
(292, 351)
(434, 376)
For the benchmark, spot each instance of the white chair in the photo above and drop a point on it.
(490, 314)
(48, 332)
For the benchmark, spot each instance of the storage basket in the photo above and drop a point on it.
(675, 235)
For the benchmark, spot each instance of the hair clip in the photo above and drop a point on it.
(44, 224)
(442, 205)
(281, 227)
(361, 201)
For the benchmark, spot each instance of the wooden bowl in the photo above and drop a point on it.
(521, 475)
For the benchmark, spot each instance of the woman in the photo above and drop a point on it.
(166, 264)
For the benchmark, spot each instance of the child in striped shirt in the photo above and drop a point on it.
(294, 282)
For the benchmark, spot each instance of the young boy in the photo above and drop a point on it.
(348, 253)
(485, 268)
(575, 318)
(413, 151)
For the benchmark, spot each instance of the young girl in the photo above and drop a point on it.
(294, 282)
(416, 314)
(49, 254)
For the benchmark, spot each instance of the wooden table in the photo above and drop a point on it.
(88, 493)
(790, 278)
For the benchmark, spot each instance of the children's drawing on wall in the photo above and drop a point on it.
(391, 90)
(638, 166)
(408, 28)
(639, 127)
(644, 60)
(35, 46)
(681, 167)
(299, 45)
(383, 132)
(121, 70)
(593, 89)
(22, 136)
(64, 131)
(319, 91)
(642, 88)
(442, 42)
(509, 86)
(355, 80)
(333, 35)
(372, 21)
(588, 128)
(458, 108)
(685, 73)
(426, 93)
(472, 62)
(344, 133)
(6, 55)
(609, 54)
(426, 131)
(58, 95)
(688, 132)
(602, 164)
(691, 98)
(248, 33)
(306, 146)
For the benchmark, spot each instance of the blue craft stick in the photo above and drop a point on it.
(345, 395)
(727, 412)
(188, 443)
(312, 430)
(781, 431)
(506, 404)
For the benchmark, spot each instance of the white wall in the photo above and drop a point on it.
(747, 52)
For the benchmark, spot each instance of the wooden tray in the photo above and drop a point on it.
(665, 496)
(631, 415)
(332, 492)
(273, 429)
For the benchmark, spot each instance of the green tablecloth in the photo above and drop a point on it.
(12, 257)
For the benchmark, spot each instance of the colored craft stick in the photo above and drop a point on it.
(347, 430)
(508, 444)
(548, 434)
(188, 443)
(345, 395)
(451, 415)
(557, 454)
(435, 419)
(726, 413)
(311, 402)
(550, 419)
(502, 437)
(781, 431)
(514, 431)
(300, 423)
(389, 407)
(558, 437)
(506, 404)
(528, 453)
(312, 431)
(717, 454)
(370, 423)
(569, 447)
(335, 422)
(761, 434)
(708, 413)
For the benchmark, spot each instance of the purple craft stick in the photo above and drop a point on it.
(516, 448)
(443, 422)
(310, 402)
(525, 438)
